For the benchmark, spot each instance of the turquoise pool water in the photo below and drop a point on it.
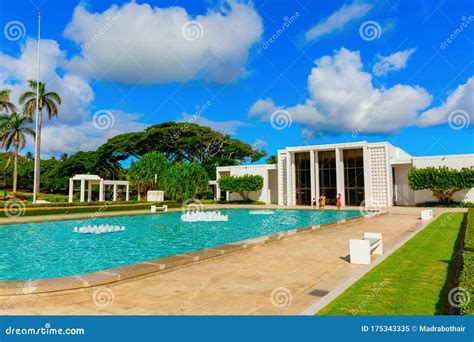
(52, 249)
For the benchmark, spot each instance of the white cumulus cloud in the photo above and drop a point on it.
(73, 129)
(461, 99)
(229, 127)
(137, 43)
(395, 61)
(343, 98)
(337, 20)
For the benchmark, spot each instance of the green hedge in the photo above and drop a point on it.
(446, 205)
(82, 204)
(89, 208)
(467, 274)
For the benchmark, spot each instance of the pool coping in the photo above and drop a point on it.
(152, 267)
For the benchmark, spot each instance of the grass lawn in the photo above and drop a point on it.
(415, 280)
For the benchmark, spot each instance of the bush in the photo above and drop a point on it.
(185, 180)
(78, 208)
(446, 205)
(467, 273)
(242, 185)
(442, 181)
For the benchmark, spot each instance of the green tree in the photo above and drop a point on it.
(271, 160)
(29, 156)
(181, 141)
(46, 100)
(5, 103)
(142, 172)
(242, 185)
(442, 181)
(13, 129)
(59, 172)
(185, 180)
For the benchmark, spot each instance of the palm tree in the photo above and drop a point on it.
(29, 156)
(13, 128)
(5, 103)
(63, 157)
(48, 101)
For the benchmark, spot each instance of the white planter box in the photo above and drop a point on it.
(155, 196)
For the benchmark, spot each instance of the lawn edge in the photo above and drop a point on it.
(341, 288)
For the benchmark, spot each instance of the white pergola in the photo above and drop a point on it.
(96, 180)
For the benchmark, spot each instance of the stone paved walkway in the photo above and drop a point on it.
(280, 278)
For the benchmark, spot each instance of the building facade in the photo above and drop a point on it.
(370, 174)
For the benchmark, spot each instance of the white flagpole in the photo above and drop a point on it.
(37, 160)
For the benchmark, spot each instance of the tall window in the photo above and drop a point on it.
(303, 178)
(327, 175)
(354, 176)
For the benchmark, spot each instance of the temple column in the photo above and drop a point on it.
(89, 191)
(115, 192)
(101, 190)
(83, 190)
(313, 176)
(71, 189)
(340, 175)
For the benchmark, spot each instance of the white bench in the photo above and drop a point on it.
(360, 250)
(427, 214)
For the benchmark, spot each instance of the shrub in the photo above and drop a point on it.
(446, 205)
(467, 273)
(149, 171)
(242, 185)
(442, 181)
(84, 208)
(184, 181)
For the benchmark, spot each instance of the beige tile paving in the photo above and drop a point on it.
(297, 271)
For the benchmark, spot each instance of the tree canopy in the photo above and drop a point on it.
(442, 181)
(181, 142)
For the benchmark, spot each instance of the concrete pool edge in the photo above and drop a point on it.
(117, 275)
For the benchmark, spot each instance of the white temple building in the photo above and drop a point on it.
(94, 180)
(374, 174)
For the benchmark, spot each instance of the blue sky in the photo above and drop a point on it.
(271, 73)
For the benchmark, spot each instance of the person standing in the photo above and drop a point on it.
(322, 201)
(338, 201)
